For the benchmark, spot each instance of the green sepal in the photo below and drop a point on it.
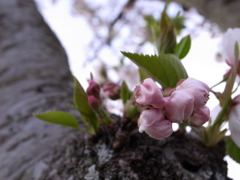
(125, 92)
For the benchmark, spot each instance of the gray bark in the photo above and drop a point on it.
(34, 77)
(225, 13)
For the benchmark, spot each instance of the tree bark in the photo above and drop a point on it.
(34, 77)
(225, 13)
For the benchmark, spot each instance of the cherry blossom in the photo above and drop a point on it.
(186, 102)
(234, 120)
(229, 39)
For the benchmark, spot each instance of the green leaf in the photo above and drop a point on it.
(167, 69)
(60, 118)
(125, 92)
(183, 47)
(232, 149)
(81, 103)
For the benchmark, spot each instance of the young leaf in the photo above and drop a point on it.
(81, 103)
(183, 47)
(60, 118)
(125, 93)
(167, 69)
(167, 38)
(232, 149)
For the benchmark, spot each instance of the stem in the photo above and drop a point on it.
(226, 95)
(236, 88)
(104, 116)
(220, 118)
(216, 94)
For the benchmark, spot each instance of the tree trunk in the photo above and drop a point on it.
(34, 77)
(225, 13)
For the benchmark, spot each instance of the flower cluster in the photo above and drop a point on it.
(112, 90)
(93, 92)
(186, 102)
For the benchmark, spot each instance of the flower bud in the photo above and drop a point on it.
(131, 110)
(197, 89)
(179, 107)
(152, 122)
(94, 102)
(149, 94)
(112, 90)
(199, 116)
(93, 89)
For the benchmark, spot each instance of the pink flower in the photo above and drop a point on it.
(197, 89)
(153, 123)
(94, 102)
(229, 39)
(199, 116)
(234, 121)
(112, 90)
(180, 106)
(149, 94)
(93, 89)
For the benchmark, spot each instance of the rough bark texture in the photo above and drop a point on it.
(120, 152)
(34, 77)
(224, 13)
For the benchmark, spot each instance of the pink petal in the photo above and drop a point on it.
(200, 116)
(199, 91)
(180, 106)
(149, 94)
(93, 89)
(149, 117)
(160, 129)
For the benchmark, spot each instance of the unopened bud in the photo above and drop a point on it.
(94, 102)
(93, 89)
(112, 90)
(131, 110)
(199, 116)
